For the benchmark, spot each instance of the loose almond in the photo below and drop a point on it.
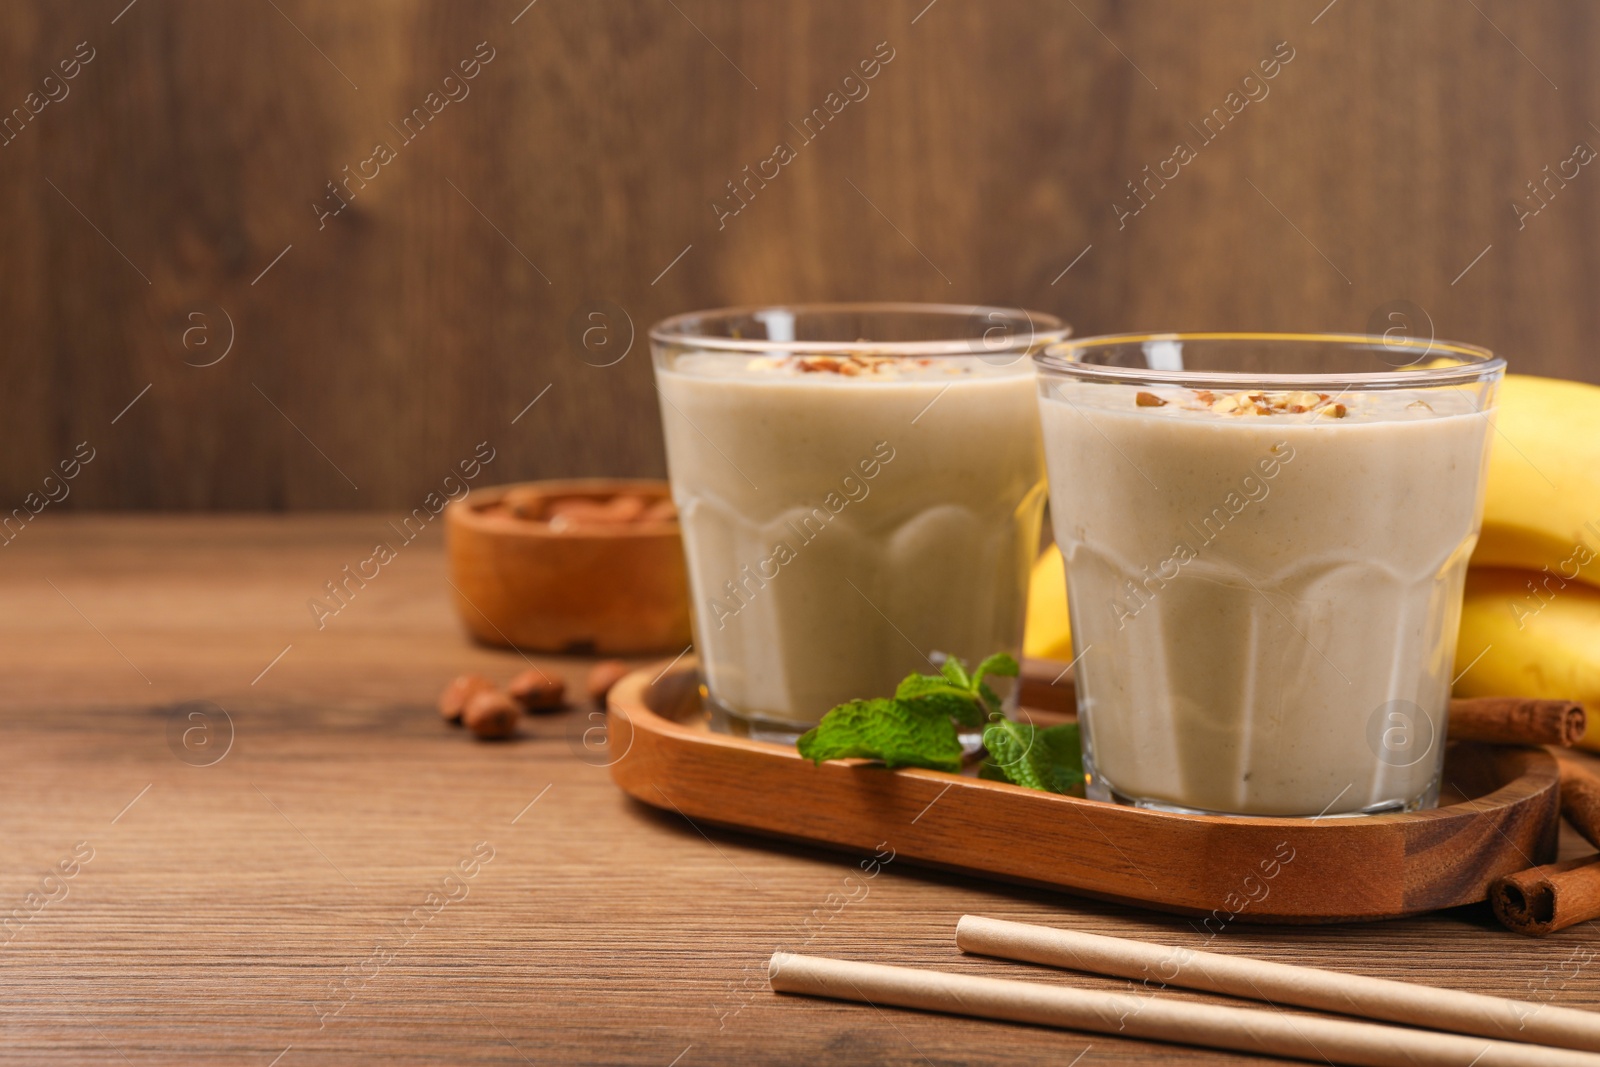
(491, 715)
(537, 691)
(604, 675)
(578, 509)
(661, 511)
(625, 508)
(453, 701)
(1149, 400)
(525, 503)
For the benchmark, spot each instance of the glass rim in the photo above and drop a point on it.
(1478, 364)
(1045, 329)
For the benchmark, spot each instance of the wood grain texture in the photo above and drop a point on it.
(985, 159)
(215, 916)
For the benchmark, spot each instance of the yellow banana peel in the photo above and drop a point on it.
(1542, 505)
(1048, 633)
(1524, 635)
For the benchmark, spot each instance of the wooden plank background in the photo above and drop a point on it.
(162, 207)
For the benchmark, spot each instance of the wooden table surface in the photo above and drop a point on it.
(273, 907)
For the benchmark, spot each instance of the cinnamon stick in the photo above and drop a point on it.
(1580, 800)
(1517, 721)
(1545, 899)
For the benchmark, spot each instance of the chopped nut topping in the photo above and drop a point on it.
(1149, 400)
(1255, 402)
(815, 364)
(850, 366)
(854, 365)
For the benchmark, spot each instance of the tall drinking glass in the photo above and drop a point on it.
(1266, 538)
(860, 488)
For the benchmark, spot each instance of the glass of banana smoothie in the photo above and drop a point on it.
(860, 488)
(1266, 538)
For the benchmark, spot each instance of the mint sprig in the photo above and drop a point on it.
(963, 697)
(918, 727)
(1026, 755)
(901, 733)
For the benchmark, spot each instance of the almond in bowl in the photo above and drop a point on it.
(582, 567)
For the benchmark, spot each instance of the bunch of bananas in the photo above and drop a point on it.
(1530, 622)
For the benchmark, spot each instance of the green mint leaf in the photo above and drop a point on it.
(1025, 755)
(991, 699)
(917, 727)
(991, 771)
(914, 686)
(894, 731)
(1000, 664)
(937, 695)
(953, 669)
(1009, 744)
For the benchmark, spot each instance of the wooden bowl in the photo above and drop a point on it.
(615, 590)
(1221, 868)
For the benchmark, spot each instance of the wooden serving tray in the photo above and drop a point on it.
(1500, 816)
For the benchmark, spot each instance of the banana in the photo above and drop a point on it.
(1542, 505)
(1523, 634)
(1048, 633)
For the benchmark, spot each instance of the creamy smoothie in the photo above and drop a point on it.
(1265, 588)
(844, 517)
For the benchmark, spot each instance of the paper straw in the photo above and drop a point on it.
(1163, 1018)
(1282, 983)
